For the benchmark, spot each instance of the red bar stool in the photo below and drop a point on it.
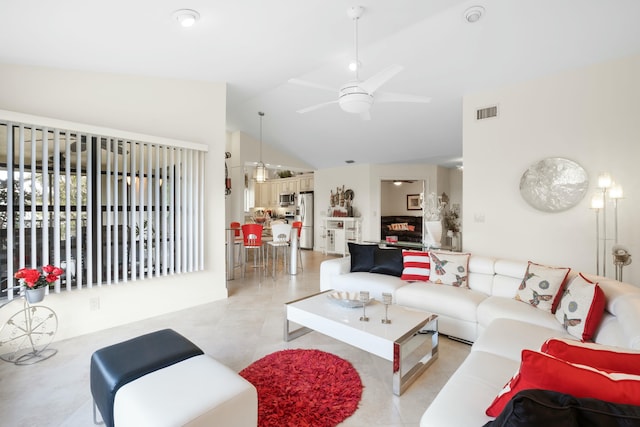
(298, 225)
(252, 240)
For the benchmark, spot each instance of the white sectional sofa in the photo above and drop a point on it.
(487, 315)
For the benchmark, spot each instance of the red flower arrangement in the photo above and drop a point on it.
(31, 278)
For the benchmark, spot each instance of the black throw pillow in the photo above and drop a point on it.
(361, 257)
(534, 408)
(387, 261)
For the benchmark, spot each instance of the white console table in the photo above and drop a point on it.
(338, 231)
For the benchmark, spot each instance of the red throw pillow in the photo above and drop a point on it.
(416, 266)
(542, 371)
(581, 307)
(602, 357)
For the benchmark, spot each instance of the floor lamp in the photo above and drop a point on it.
(597, 203)
(604, 183)
(621, 256)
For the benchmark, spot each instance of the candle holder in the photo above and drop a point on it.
(386, 300)
(364, 298)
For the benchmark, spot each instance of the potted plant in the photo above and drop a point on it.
(36, 282)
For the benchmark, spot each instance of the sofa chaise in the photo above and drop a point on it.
(488, 302)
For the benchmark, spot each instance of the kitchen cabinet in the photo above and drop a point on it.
(264, 194)
(305, 182)
(288, 185)
(338, 232)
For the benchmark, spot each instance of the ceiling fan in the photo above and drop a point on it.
(358, 96)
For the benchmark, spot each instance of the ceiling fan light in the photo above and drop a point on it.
(355, 66)
(356, 102)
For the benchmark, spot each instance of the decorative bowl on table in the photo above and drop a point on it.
(347, 299)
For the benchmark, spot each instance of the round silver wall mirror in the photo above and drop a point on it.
(554, 184)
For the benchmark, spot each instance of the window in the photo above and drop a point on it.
(107, 209)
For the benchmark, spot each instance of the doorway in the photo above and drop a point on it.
(401, 213)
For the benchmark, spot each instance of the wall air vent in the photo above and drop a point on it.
(487, 113)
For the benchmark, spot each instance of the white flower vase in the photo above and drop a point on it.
(35, 295)
(434, 234)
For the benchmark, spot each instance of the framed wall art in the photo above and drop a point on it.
(413, 202)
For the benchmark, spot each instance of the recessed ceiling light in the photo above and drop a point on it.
(473, 14)
(186, 17)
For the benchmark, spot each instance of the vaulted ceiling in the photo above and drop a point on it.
(256, 46)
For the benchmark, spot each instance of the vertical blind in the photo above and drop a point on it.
(106, 209)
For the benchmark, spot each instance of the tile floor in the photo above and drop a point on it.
(236, 331)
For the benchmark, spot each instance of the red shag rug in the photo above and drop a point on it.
(304, 388)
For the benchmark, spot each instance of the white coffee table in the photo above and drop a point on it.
(410, 341)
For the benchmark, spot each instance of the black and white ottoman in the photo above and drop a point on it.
(163, 379)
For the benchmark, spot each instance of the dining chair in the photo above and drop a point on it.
(281, 235)
(252, 240)
(298, 225)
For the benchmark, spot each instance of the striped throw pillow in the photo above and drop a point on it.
(416, 266)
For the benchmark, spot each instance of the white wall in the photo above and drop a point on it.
(394, 197)
(588, 115)
(364, 180)
(354, 177)
(185, 110)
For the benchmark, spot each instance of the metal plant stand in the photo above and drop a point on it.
(25, 337)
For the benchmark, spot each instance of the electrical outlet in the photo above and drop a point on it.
(478, 217)
(94, 304)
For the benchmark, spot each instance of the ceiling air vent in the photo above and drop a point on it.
(487, 113)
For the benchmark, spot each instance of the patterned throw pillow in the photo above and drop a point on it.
(581, 308)
(416, 266)
(449, 268)
(542, 286)
(399, 226)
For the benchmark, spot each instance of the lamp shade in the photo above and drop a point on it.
(261, 172)
(616, 191)
(597, 202)
(604, 180)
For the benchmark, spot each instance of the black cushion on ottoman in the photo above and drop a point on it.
(116, 365)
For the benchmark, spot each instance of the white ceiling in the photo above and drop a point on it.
(256, 46)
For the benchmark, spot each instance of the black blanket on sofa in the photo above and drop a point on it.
(534, 408)
(406, 228)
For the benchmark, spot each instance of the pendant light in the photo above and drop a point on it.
(261, 170)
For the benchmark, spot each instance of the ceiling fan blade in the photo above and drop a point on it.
(374, 82)
(312, 85)
(365, 115)
(399, 97)
(317, 106)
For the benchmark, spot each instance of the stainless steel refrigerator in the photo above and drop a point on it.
(304, 213)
